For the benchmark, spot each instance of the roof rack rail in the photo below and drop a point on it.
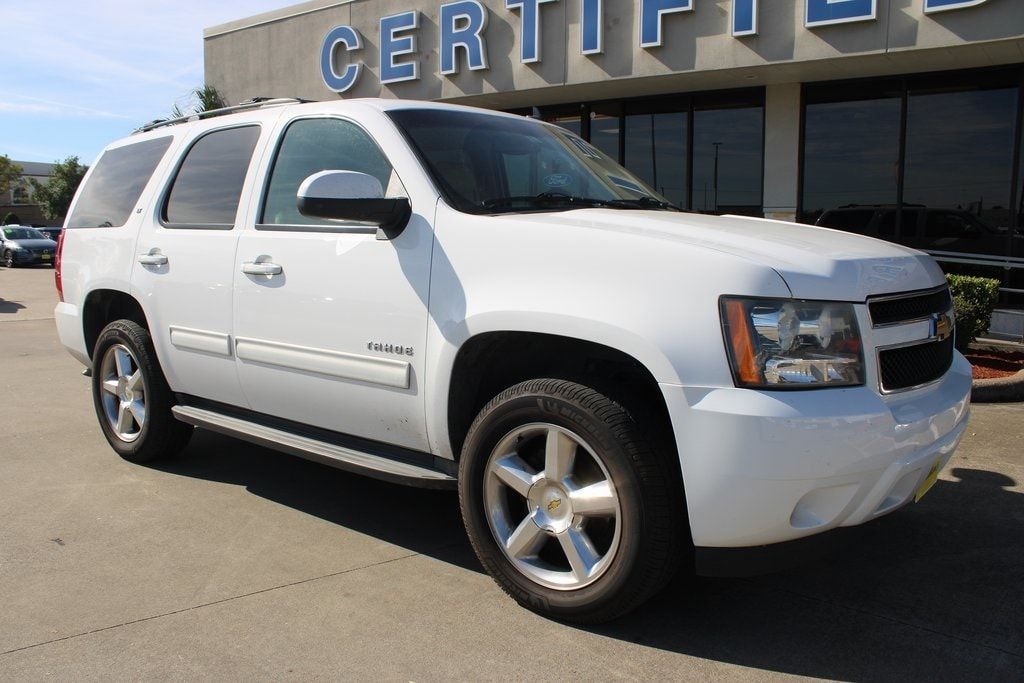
(254, 103)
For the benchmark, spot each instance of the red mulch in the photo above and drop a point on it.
(990, 364)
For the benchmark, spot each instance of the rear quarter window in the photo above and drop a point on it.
(116, 183)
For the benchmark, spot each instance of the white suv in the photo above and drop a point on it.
(448, 297)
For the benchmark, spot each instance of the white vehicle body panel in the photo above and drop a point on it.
(340, 293)
(758, 466)
(200, 268)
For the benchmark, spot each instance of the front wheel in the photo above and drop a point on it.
(9, 259)
(132, 399)
(566, 504)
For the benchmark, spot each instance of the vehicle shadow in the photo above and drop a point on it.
(423, 521)
(10, 306)
(932, 591)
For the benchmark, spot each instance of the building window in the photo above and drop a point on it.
(728, 151)
(851, 159)
(672, 142)
(926, 161)
(656, 151)
(959, 159)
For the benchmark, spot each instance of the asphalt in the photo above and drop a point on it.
(235, 562)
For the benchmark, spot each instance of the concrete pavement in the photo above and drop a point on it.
(235, 562)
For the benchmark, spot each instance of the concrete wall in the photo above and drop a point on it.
(278, 53)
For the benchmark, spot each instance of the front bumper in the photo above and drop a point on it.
(28, 258)
(764, 467)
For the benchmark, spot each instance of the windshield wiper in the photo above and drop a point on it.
(645, 202)
(542, 200)
(547, 200)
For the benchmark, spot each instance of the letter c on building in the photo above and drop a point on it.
(339, 35)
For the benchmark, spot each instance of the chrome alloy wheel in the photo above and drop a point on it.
(124, 392)
(552, 507)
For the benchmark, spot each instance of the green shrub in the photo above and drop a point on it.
(974, 299)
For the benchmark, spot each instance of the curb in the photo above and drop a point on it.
(999, 390)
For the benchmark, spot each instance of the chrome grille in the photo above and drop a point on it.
(911, 306)
(911, 366)
(919, 362)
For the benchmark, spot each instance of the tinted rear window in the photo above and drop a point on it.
(209, 183)
(115, 185)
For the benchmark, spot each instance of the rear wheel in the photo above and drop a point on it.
(567, 506)
(132, 399)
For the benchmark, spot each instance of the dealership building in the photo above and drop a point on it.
(901, 119)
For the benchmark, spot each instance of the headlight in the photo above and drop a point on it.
(16, 247)
(792, 344)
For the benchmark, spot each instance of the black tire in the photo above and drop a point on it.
(9, 259)
(651, 502)
(161, 436)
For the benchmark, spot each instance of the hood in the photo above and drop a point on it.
(815, 262)
(35, 244)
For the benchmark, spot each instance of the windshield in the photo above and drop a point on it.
(484, 163)
(23, 234)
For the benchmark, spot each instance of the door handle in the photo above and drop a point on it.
(153, 259)
(262, 268)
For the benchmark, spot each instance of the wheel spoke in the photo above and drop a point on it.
(124, 419)
(596, 499)
(110, 386)
(579, 551)
(526, 540)
(138, 411)
(515, 473)
(135, 381)
(559, 454)
(123, 362)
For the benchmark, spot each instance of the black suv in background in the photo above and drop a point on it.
(952, 236)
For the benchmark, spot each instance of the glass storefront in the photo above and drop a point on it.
(703, 151)
(930, 161)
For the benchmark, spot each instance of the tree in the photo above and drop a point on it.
(10, 172)
(207, 98)
(55, 195)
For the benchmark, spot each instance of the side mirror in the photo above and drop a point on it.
(353, 196)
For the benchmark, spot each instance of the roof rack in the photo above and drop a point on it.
(254, 103)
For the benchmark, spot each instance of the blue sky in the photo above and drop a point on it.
(77, 75)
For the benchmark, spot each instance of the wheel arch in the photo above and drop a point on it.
(489, 362)
(103, 306)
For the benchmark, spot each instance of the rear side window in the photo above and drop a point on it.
(208, 185)
(115, 185)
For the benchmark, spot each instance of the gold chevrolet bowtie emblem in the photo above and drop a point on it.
(553, 505)
(942, 326)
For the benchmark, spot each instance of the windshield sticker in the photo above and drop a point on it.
(583, 146)
(626, 185)
(558, 180)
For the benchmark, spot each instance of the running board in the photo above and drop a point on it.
(334, 455)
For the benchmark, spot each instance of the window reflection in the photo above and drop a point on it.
(958, 167)
(957, 201)
(656, 152)
(604, 134)
(727, 160)
(570, 123)
(851, 163)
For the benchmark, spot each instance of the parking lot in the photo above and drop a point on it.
(236, 562)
